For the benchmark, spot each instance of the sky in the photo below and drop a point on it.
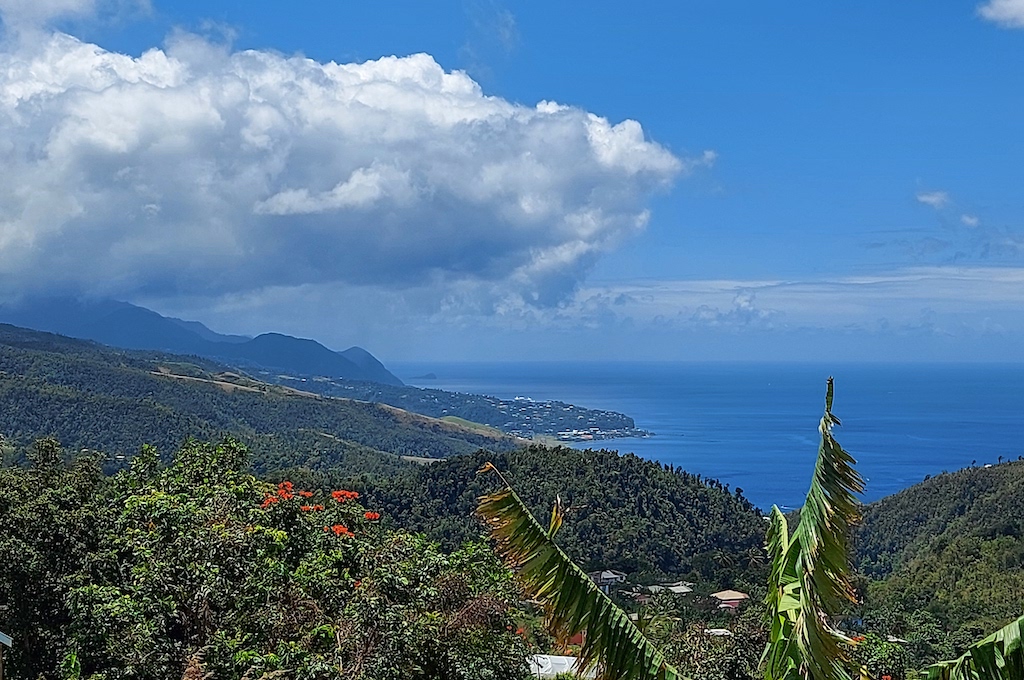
(485, 180)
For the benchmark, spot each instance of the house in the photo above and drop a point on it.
(550, 666)
(678, 588)
(729, 599)
(607, 578)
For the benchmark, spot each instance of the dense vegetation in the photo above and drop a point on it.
(623, 512)
(98, 398)
(946, 556)
(200, 570)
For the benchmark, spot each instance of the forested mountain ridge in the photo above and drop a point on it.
(94, 397)
(309, 366)
(120, 324)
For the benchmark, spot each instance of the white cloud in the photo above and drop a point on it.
(935, 199)
(1006, 13)
(195, 170)
(970, 220)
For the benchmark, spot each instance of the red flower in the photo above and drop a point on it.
(342, 496)
(357, 584)
(371, 515)
(306, 494)
(318, 507)
(305, 508)
(341, 530)
(268, 501)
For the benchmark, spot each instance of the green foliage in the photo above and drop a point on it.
(50, 518)
(621, 512)
(573, 602)
(880, 657)
(1000, 656)
(698, 654)
(200, 569)
(952, 547)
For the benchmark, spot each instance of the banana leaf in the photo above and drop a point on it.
(613, 646)
(1000, 656)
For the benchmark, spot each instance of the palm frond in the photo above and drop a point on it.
(573, 602)
(810, 576)
(1000, 656)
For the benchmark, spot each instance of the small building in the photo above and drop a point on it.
(607, 578)
(677, 588)
(729, 599)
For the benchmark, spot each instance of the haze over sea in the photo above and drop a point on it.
(754, 425)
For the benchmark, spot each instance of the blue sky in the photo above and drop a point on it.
(802, 181)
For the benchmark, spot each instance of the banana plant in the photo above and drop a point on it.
(810, 569)
(1000, 656)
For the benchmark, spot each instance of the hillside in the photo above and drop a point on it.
(952, 546)
(309, 366)
(94, 397)
(624, 512)
(120, 324)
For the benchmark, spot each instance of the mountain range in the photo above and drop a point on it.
(128, 326)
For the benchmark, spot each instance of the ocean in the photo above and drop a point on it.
(754, 426)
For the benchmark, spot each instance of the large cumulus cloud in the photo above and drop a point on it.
(197, 170)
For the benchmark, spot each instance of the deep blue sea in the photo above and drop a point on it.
(755, 425)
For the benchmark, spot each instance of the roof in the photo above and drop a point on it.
(730, 595)
(6, 639)
(607, 576)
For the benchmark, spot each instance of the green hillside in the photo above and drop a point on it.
(951, 547)
(93, 397)
(625, 512)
